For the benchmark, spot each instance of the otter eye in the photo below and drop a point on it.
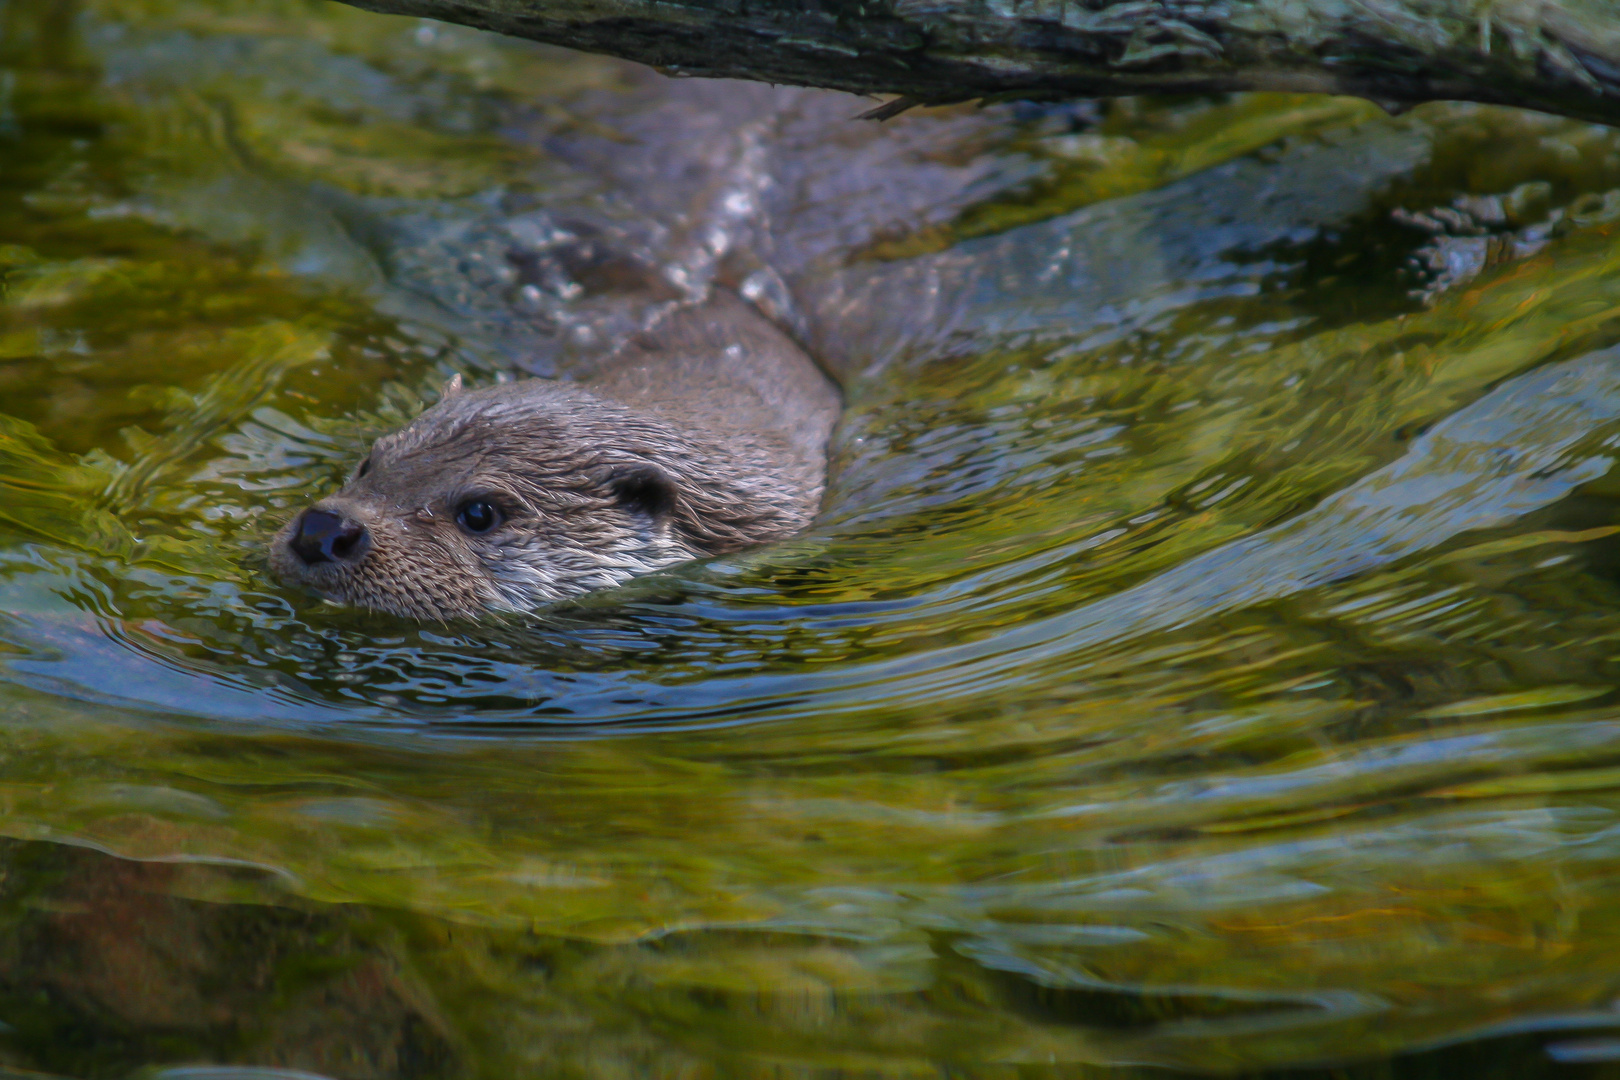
(478, 516)
(365, 467)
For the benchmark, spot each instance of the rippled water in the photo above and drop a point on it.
(1207, 658)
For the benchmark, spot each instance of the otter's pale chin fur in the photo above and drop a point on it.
(705, 436)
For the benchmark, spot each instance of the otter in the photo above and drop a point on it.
(704, 435)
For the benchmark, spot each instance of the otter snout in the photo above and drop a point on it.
(327, 536)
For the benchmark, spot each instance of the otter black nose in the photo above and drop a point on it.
(323, 536)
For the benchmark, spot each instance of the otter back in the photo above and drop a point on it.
(722, 367)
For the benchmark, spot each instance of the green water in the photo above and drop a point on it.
(1208, 658)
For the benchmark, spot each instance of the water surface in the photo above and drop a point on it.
(1207, 658)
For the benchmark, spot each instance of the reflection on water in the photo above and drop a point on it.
(1206, 660)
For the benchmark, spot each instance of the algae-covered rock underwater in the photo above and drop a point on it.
(1206, 658)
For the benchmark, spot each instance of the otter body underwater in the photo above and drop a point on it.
(706, 434)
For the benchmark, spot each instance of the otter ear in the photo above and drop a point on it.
(645, 489)
(451, 388)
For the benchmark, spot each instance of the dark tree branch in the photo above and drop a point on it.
(1560, 56)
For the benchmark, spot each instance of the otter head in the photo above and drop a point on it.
(523, 494)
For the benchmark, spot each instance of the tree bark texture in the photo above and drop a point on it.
(1560, 56)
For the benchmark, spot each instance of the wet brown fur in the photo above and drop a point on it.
(706, 435)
